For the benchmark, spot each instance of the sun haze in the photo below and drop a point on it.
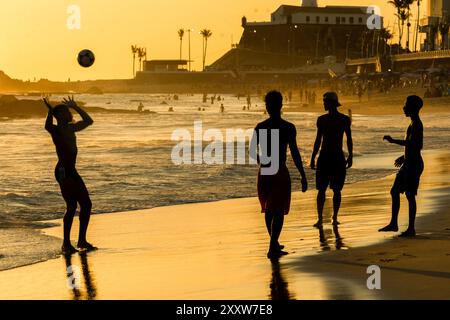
(36, 42)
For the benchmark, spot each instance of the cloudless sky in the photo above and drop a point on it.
(36, 43)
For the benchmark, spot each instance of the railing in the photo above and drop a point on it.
(438, 54)
(361, 61)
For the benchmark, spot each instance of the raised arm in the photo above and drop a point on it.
(86, 119)
(317, 144)
(348, 133)
(295, 153)
(49, 121)
(394, 141)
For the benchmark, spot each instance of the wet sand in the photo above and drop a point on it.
(218, 250)
(416, 268)
(379, 103)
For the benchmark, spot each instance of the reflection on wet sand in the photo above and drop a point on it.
(278, 285)
(74, 278)
(325, 236)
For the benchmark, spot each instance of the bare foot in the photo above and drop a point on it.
(318, 224)
(389, 228)
(275, 254)
(86, 246)
(410, 233)
(68, 249)
(335, 222)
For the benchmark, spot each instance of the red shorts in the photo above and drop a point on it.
(274, 192)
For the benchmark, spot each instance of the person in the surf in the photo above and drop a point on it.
(331, 167)
(72, 187)
(411, 167)
(274, 190)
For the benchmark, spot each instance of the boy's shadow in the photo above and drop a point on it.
(74, 278)
(278, 285)
(324, 238)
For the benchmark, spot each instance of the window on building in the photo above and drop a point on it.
(326, 19)
(352, 20)
(338, 20)
(317, 19)
(307, 18)
(343, 19)
(360, 20)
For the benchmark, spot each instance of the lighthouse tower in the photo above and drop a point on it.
(309, 3)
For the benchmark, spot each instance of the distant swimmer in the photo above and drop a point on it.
(411, 167)
(274, 191)
(73, 189)
(140, 107)
(331, 165)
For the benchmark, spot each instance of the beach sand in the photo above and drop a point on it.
(379, 103)
(218, 250)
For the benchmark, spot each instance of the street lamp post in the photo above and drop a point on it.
(189, 40)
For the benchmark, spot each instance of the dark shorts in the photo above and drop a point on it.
(331, 170)
(72, 186)
(274, 192)
(62, 173)
(408, 178)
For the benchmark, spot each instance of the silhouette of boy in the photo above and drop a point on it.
(411, 167)
(274, 191)
(72, 186)
(331, 164)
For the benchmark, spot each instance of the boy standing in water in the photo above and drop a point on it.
(331, 165)
(411, 167)
(274, 189)
(72, 186)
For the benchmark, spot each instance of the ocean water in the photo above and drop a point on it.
(125, 159)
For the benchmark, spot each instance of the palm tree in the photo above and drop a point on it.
(385, 36)
(407, 5)
(206, 34)
(134, 49)
(417, 25)
(145, 57)
(141, 54)
(402, 16)
(181, 35)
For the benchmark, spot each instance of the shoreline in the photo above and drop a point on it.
(139, 256)
(411, 269)
(379, 104)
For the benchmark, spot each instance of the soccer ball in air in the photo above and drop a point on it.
(86, 58)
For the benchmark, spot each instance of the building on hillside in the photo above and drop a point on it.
(305, 35)
(165, 65)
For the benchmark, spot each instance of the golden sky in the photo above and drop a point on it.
(36, 43)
